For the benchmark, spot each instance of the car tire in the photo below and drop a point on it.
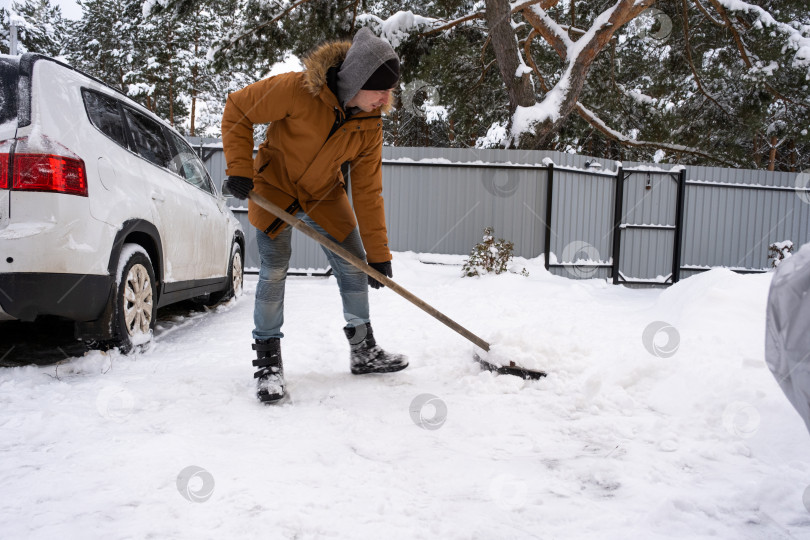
(236, 276)
(135, 301)
(236, 272)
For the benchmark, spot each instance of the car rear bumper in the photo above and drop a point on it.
(79, 297)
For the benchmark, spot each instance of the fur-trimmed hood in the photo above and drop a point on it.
(320, 60)
(303, 149)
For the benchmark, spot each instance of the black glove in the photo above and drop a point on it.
(384, 268)
(239, 186)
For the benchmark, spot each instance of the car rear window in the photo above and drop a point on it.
(186, 164)
(9, 75)
(104, 114)
(148, 138)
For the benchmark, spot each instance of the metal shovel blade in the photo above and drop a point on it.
(511, 369)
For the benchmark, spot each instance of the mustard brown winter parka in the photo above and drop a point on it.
(299, 160)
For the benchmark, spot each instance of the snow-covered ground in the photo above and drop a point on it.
(658, 419)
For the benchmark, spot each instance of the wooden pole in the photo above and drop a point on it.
(358, 263)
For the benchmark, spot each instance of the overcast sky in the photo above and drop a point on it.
(70, 9)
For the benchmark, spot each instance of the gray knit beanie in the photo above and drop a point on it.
(367, 53)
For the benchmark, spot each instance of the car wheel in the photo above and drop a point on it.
(236, 275)
(135, 301)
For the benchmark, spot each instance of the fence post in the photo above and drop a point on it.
(676, 255)
(618, 209)
(549, 208)
(12, 30)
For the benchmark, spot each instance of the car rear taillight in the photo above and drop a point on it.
(40, 164)
(48, 172)
(3, 171)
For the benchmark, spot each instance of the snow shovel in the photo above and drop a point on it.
(292, 221)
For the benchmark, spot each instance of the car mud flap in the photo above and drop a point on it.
(100, 329)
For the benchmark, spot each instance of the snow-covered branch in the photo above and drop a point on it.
(547, 27)
(600, 125)
(545, 5)
(456, 22)
(578, 56)
(405, 22)
(797, 38)
(594, 120)
(690, 61)
(283, 13)
(709, 16)
(401, 24)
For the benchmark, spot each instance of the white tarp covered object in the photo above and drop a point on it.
(787, 341)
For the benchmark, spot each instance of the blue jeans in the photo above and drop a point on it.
(268, 311)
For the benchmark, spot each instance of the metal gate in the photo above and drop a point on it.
(648, 220)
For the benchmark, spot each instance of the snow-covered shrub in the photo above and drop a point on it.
(779, 251)
(489, 255)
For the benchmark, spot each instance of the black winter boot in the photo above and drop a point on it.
(270, 386)
(367, 357)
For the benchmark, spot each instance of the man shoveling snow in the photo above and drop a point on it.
(319, 118)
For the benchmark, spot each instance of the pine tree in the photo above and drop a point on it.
(105, 42)
(197, 28)
(43, 31)
(686, 81)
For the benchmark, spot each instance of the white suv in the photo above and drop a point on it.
(106, 213)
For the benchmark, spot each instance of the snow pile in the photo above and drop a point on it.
(658, 419)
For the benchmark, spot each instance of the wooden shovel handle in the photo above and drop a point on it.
(358, 263)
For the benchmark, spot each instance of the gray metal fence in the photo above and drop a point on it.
(588, 217)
